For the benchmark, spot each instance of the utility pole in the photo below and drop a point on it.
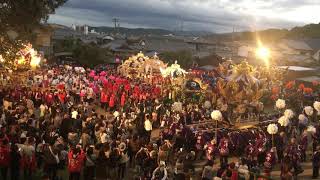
(233, 34)
(232, 47)
(181, 25)
(115, 21)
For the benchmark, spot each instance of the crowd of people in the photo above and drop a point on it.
(98, 124)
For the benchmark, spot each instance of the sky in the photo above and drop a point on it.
(191, 15)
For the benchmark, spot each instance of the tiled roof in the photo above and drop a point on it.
(313, 43)
(296, 44)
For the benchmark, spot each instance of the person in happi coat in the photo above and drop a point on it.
(224, 150)
(211, 149)
(293, 153)
(286, 167)
(250, 151)
(76, 159)
(5, 158)
(199, 144)
(136, 92)
(316, 163)
(260, 146)
(103, 99)
(315, 138)
(281, 144)
(127, 87)
(123, 99)
(112, 102)
(270, 161)
(303, 145)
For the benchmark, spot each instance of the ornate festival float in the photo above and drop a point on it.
(27, 61)
(142, 67)
(241, 89)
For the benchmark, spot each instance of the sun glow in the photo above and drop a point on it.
(264, 54)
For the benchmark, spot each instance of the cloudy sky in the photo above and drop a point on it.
(199, 15)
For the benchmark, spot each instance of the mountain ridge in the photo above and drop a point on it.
(146, 31)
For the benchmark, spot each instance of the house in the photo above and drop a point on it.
(163, 44)
(119, 47)
(295, 47)
(294, 52)
(296, 72)
(105, 39)
(201, 44)
(244, 51)
(315, 45)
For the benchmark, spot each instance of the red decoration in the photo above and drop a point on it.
(315, 83)
(301, 86)
(274, 97)
(308, 90)
(290, 85)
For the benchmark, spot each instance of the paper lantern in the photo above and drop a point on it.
(216, 115)
(283, 121)
(272, 129)
(311, 129)
(303, 119)
(316, 106)
(280, 103)
(308, 110)
(288, 113)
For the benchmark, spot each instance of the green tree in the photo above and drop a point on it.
(90, 55)
(18, 20)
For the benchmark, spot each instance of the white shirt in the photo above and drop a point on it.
(74, 114)
(147, 125)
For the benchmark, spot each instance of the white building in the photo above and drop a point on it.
(74, 27)
(86, 29)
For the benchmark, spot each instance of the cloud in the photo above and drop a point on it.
(206, 15)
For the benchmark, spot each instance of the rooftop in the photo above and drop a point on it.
(297, 68)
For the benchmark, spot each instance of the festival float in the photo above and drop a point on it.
(176, 77)
(142, 67)
(27, 59)
(241, 88)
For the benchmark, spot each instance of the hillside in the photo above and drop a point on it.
(145, 31)
(271, 35)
